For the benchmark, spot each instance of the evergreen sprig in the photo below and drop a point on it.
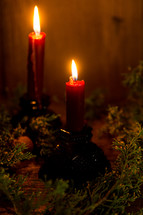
(11, 153)
(109, 194)
(95, 105)
(112, 193)
(5, 120)
(11, 187)
(43, 130)
(117, 122)
(133, 81)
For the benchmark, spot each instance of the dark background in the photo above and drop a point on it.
(104, 37)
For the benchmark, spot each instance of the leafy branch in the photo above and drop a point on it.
(10, 152)
(43, 132)
(111, 193)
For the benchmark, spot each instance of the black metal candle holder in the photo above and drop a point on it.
(32, 107)
(76, 158)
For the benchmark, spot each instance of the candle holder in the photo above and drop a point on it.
(32, 107)
(76, 137)
(76, 158)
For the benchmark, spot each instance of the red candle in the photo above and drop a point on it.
(36, 60)
(75, 102)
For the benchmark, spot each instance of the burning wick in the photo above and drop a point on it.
(36, 21)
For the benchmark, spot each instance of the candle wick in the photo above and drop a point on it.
(71, 80)
(37, 33)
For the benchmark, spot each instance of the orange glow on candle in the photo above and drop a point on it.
(36, 61)
(74, 71)
(75, 101)
(36, 21)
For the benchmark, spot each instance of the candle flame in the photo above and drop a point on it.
(74, 71)
(36, 21)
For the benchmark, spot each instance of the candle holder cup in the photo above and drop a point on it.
(76, 158)
(32, 106)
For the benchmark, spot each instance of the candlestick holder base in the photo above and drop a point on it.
(31, 106)
(76, 158)
(76, 137)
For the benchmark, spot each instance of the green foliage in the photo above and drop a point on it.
(121, 186)
(18, 131)
(11, 153)
(116, 121)
(11, 187)
(44, 131)
(133, 80)
(10, 156)
(30, 203)
(108, 194)
(112, 193)
(41, 123)
(5, 120)
(119, 120)
(140, 212)
(119, 123)
(94, 105)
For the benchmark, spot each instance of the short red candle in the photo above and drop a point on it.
(75, 104)
(36, 65)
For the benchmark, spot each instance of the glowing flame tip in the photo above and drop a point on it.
(74, 71)
(36, 21)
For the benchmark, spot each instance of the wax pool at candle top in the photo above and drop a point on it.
(37, 36)
(75, 83)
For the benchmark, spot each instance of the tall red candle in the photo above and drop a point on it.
(75, 102)
(36, 60)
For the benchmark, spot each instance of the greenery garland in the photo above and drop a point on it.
(112, 193)
(109, 194)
